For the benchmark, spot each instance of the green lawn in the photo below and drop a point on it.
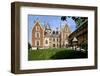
(56, 53)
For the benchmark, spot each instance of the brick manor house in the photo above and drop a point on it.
(45, 37)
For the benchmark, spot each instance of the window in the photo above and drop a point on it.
(66, 45)
(53, 32)
(66, 36)
(53, 45)
(46, 41)
(37, 43)
(37, 28)
(53, 39)
(37, 34)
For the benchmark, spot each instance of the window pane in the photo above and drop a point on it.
(46, 41)
(37, 43)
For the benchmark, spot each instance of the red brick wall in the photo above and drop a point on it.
(41, 31)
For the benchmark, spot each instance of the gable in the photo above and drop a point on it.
(38, 25)
(66, 28)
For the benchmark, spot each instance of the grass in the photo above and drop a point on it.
(56, 53)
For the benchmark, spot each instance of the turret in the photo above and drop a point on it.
(47, 29)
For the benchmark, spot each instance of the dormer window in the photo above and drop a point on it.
(53, 32)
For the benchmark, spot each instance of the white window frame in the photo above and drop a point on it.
(46, 41)
(36, 34)
(37, 28)
(36, 42)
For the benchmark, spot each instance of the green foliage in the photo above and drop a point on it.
(56, 53)
(63, 18)
(69, 55)
(84, 46)
(29, 45)
(79, 20)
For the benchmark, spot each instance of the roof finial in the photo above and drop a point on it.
(37, 19)
(47, 26)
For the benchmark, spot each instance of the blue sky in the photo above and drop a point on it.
(53, 21)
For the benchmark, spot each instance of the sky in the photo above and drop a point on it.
(53, 21)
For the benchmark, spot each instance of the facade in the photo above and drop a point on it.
(37, 36)
(65, 32)
(45, 37)
(55, 39)
(80, 33)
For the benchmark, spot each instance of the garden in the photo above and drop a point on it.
(55, 53)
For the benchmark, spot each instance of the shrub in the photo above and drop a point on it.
(84, 46)
(29, 45)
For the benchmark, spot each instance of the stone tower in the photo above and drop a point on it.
(65, 32)
(47, 34)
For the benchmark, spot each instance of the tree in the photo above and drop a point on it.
(79, 20)
(63, 18)
(29, 45)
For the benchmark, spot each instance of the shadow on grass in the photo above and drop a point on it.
(69, 55)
